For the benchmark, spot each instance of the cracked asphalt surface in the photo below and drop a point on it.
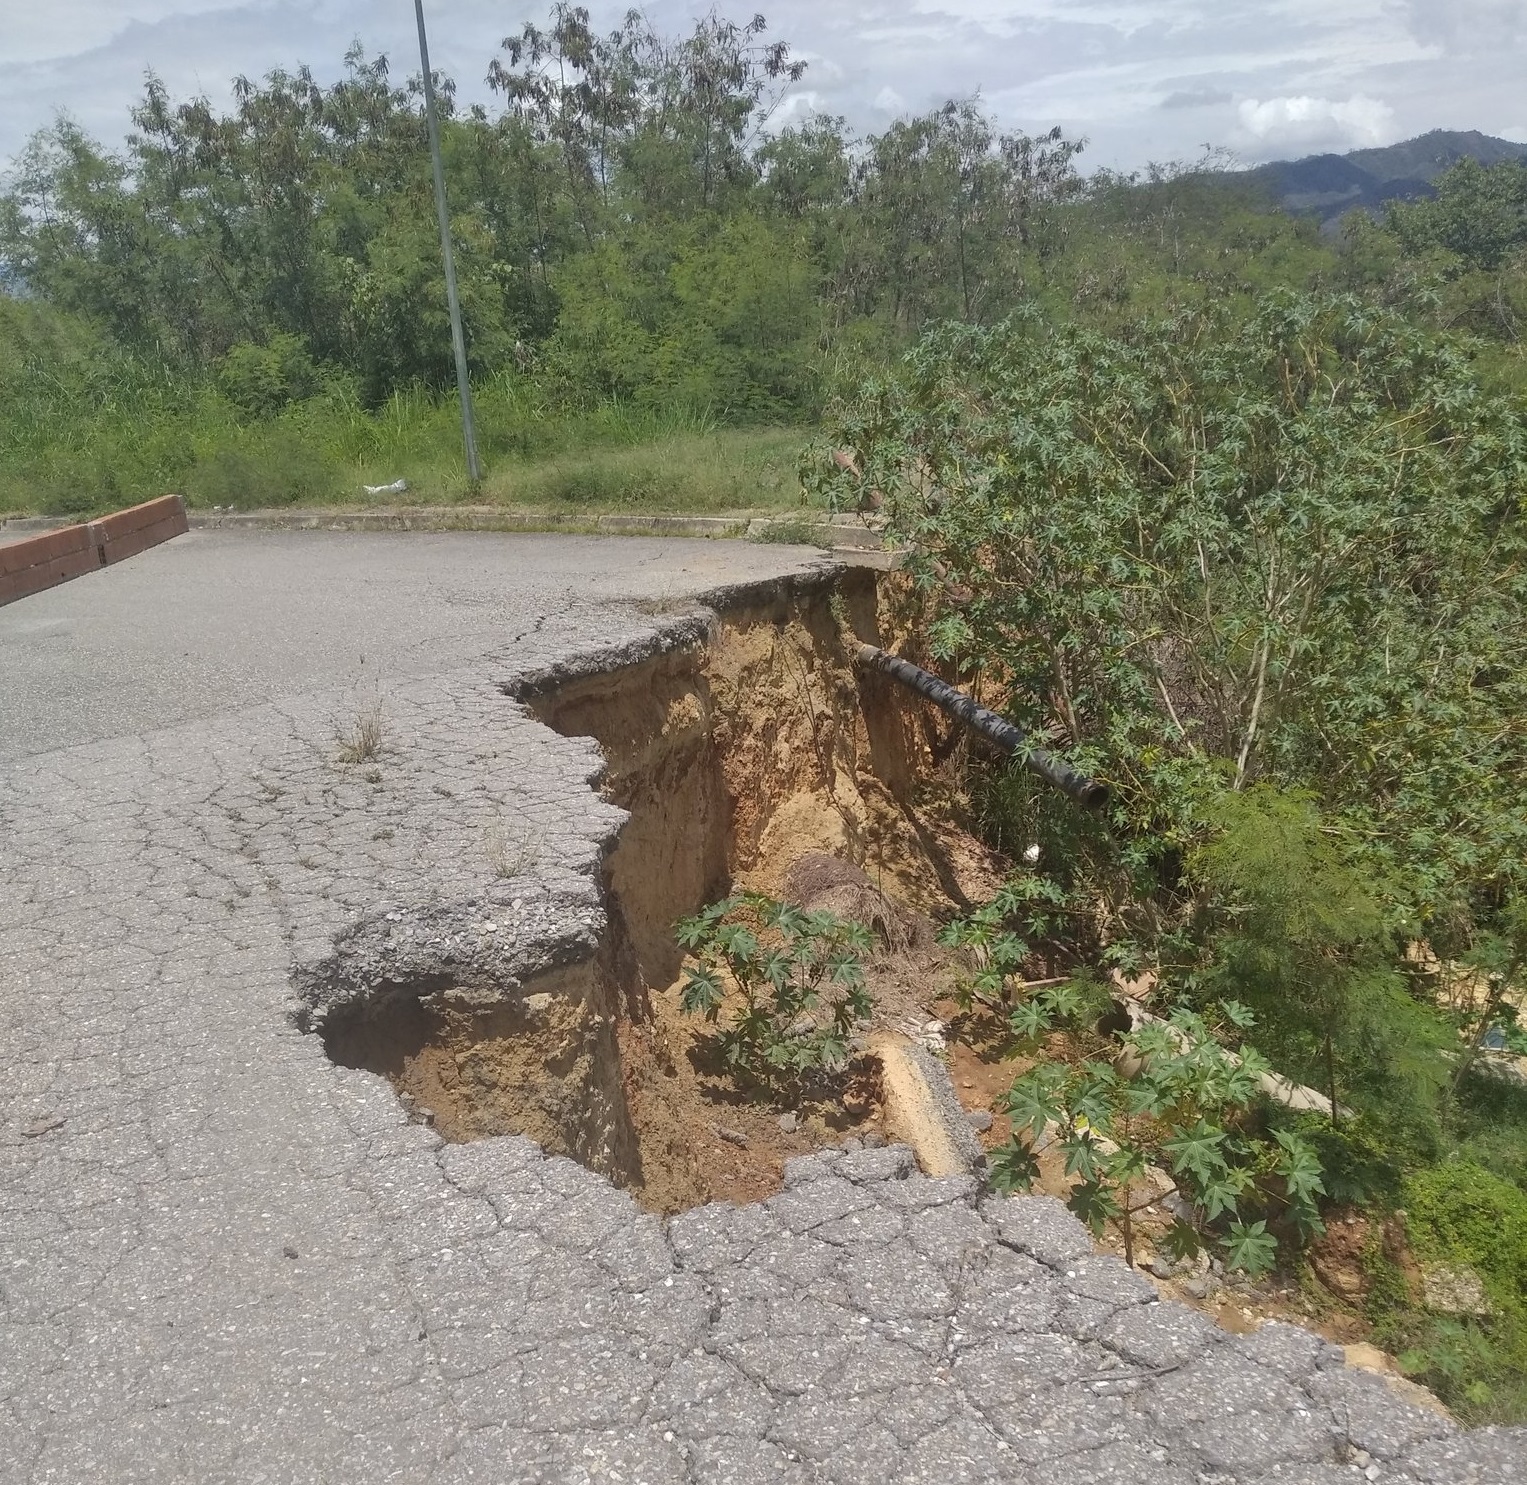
(224, 1259)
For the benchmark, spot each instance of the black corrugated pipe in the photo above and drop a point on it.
(990, 726)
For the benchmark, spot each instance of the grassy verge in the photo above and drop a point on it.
(82, 430)
(691, 473)
(726, 470)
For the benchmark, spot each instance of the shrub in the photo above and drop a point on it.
(261, 380)
(271, 465)
(1182, 1112)
(796, 980)
(1460, 1215)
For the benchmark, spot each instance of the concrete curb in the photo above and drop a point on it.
(852, 540)
(60, 551)
(468, 518)
(840, 534)
(923, 1111)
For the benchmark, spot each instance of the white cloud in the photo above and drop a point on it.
(1301, 120)
(34, 33)
(1311, 72)
(1468, 27)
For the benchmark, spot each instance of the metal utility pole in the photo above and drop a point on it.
(458, 339)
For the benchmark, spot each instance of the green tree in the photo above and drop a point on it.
(1294, 930)
(946, 214)
(1208, 551)
(1479, 213)
(260, 380)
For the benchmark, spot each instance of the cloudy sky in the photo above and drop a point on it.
(1141, 79)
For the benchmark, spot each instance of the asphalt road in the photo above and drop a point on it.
(224, 1259)
(212, 622)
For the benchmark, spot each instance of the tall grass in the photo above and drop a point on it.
(85, 426)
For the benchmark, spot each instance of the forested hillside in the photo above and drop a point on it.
(247, 302)
(1224, 509)
(1330, 186)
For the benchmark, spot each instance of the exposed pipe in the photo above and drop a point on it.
(989, 725)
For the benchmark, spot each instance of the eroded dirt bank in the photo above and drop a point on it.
(739, 757)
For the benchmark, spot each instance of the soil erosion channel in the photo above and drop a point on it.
(761, 758)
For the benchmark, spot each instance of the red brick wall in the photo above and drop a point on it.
(40, 562)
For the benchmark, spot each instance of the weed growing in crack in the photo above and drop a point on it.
(361, 738)
(788, 966)
(510, 854)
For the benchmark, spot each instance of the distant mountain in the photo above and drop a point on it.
(1329, 186)
(1427, 155)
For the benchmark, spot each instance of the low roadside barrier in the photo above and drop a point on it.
(43, 561)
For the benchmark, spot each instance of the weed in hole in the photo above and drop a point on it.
(361, 738)
(510, 854)
(800, 977)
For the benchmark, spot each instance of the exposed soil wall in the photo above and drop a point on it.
(543, 1063)
(736, 757)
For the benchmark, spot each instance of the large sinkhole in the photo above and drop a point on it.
(757, 758)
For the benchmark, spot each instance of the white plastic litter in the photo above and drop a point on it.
(397, 487)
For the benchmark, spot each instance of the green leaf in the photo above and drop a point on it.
(1095, 1204)
(1031, 1102)
(1082, 1156)
(1299, 1166)
(1196, 1151)
(1250, 1247)
(701, 992)
(1013, 1167)
(1029, 1020)
(736, 941)
(1064, 1002)
(1218, 1194)
(1092, 1098)
(1183, 1240)
(692, 932)
(1238, 1015)
(1124, 1166)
